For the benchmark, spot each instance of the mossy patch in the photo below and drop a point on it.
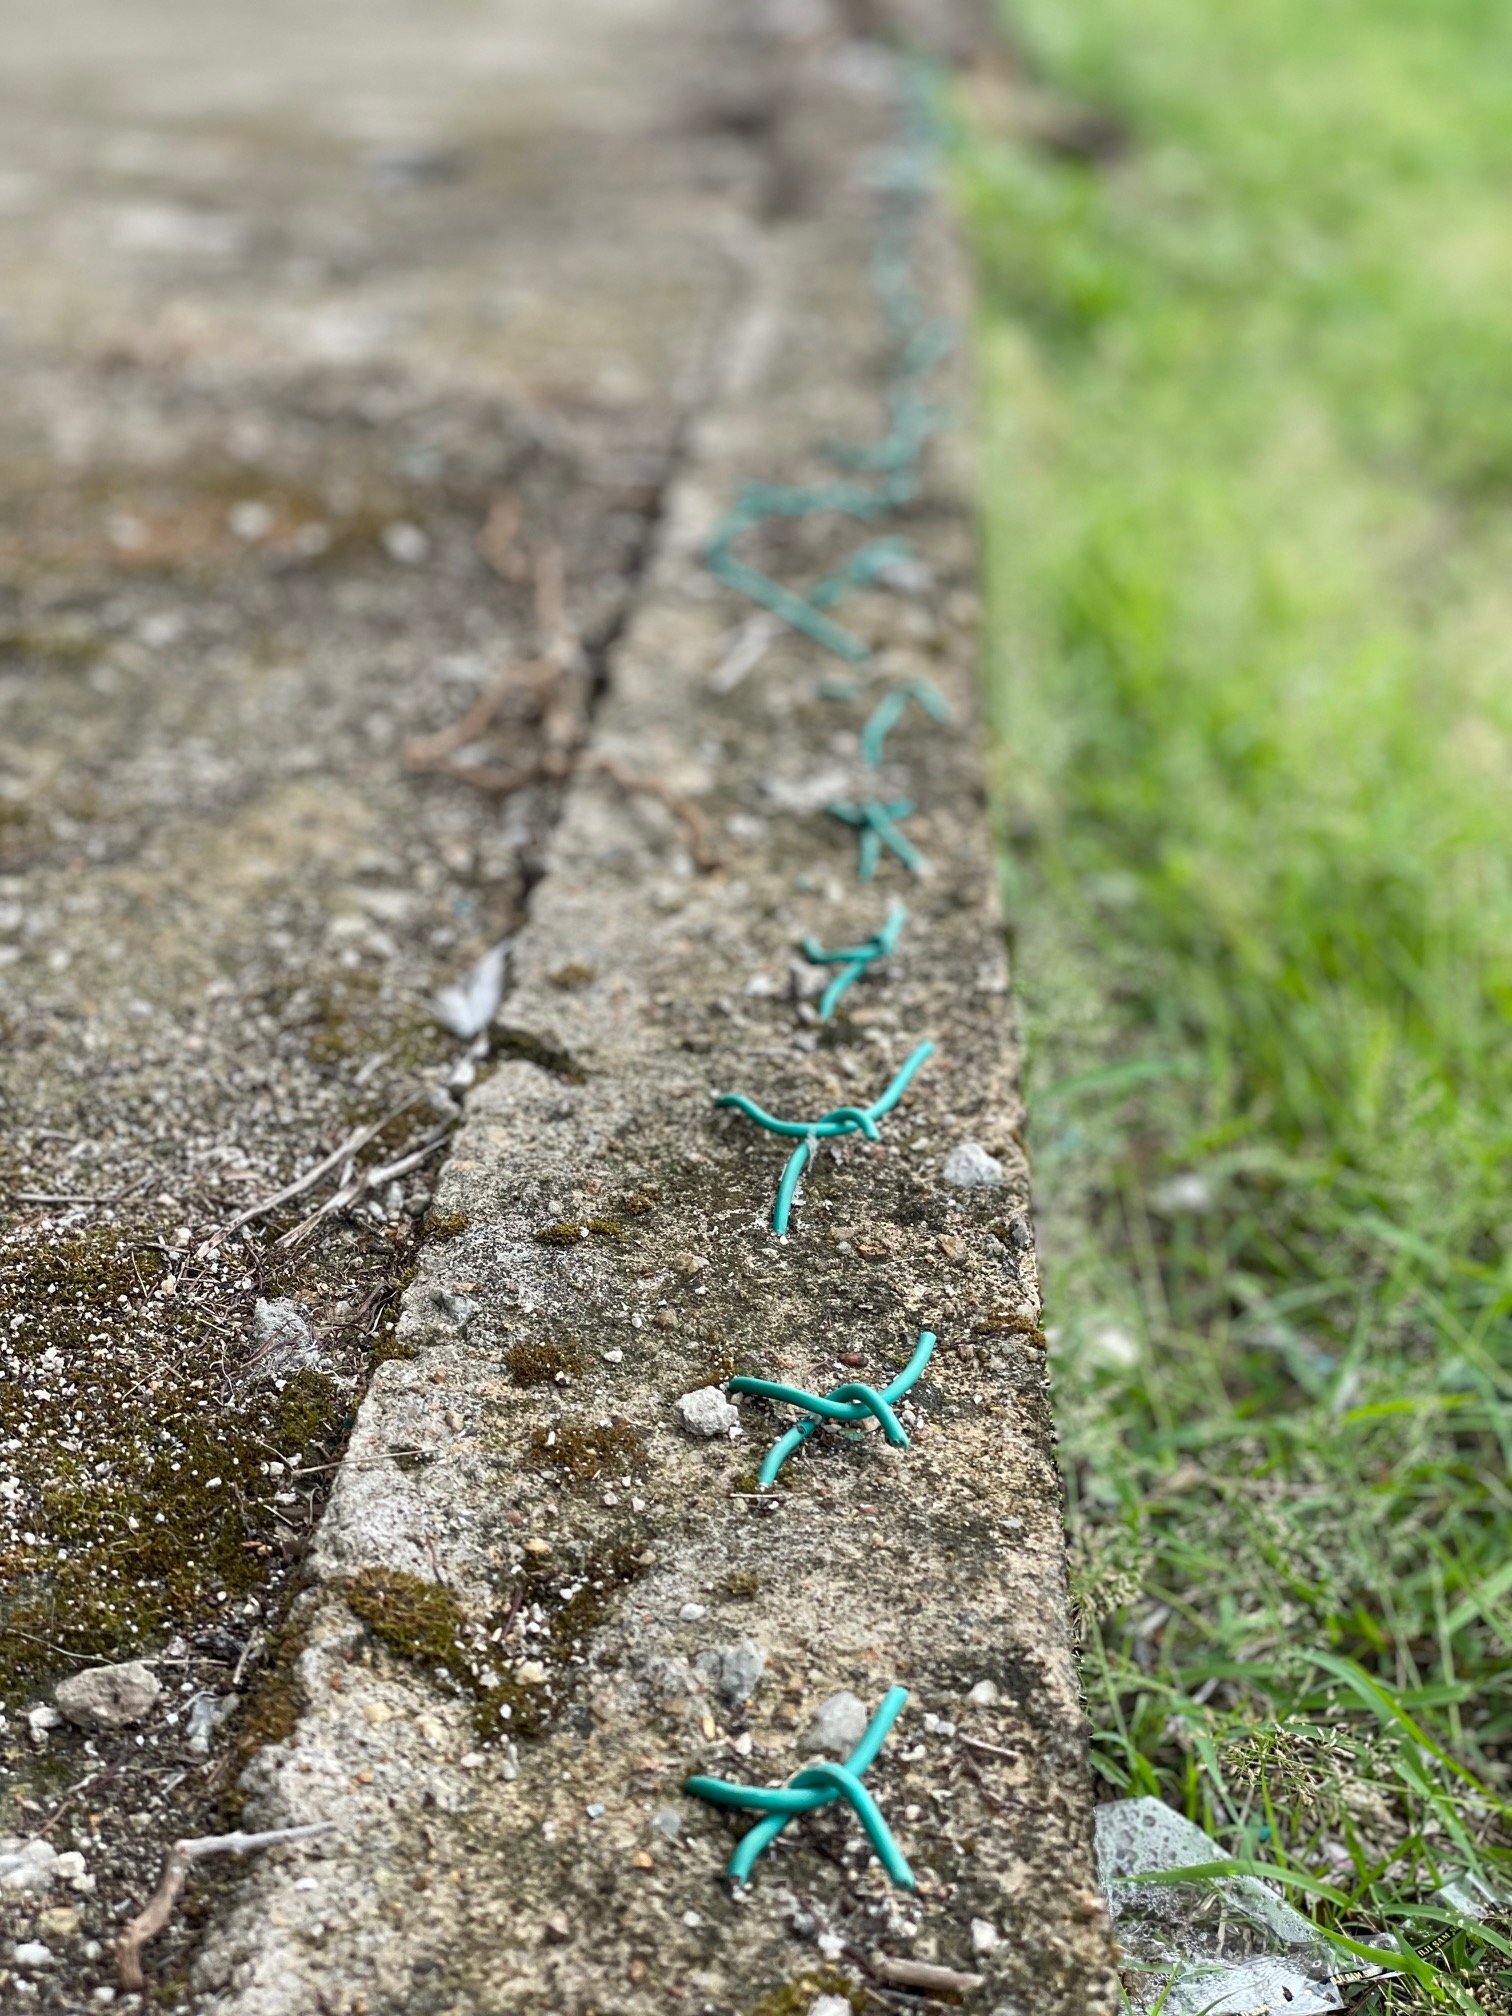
(542, 1363)
(573, 975)
(538, 1050)
(580, 1454)
(138, 1495)
(571, 1231)
(440, 1225)
(796, 1998)
(472, 1657)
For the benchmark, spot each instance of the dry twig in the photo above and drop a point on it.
(921, 1974)
(181, 1856)
(683, 810)
(348, 1148)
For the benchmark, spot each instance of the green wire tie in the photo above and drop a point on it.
(758, 502)
(890, 710)
(815, 1786)
(876, 822)
(843, 1120)
(854, 959)
(851, 1402)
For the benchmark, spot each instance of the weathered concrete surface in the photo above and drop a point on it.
(599, 1561)
(304, 309)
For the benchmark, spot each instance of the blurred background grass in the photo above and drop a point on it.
(1246, 337)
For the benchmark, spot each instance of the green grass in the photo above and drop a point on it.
(1249, 524)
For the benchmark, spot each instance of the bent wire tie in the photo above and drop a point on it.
(815, 1786)
(851, 1402)
(809, 1133)
(758, 502)
(876, 823)
(890, 710)
(853, 958)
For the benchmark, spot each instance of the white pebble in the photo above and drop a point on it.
(970, 1167)
(406, 543)
(708, 1414)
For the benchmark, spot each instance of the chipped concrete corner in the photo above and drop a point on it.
(616, 1606)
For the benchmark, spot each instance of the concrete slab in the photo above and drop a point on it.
(608, 1572)
(372, 270)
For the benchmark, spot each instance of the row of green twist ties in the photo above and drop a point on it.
(815, 1786)
(853, 960)
(895, 460)
(851, 1402)
(809, 1133)
(876, 821)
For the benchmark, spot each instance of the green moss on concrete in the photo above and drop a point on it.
(543, 1363)
(143, 1495)
(580, 1454)
(539, 1050)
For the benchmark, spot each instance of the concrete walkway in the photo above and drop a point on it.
(375, 372)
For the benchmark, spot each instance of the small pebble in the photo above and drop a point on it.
(970, 1167)
(406, 543)
(32, 1953)
(250, 520)
(708, 1414)
(983, 1695)
(836, 1726)
(734, 1670)
(984, 1936)
(109, 1697)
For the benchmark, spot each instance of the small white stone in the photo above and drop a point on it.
(250, 520)
(32, 1953)
(708, 1414)
(983, 1695)
(39, 1721)
(109, 1697)
(969, 1167)
(27, 1865)
(406, 543)
(1188, 1191)
(1113, 1345)
(690, 1613)
(984, 1936)
(829, 2005)
(836, 1726)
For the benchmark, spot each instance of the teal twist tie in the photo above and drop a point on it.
(876, 823)
(815, 1786)
(850, 1402)
(758, 502)
(808, 1133)
(890, 710)
(853, 959)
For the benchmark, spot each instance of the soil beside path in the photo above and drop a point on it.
(366, 374)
